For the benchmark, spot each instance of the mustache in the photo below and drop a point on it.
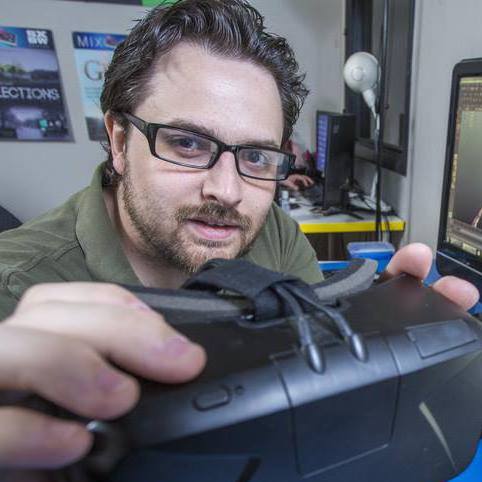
(216, 211)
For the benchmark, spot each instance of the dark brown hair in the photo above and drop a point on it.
(230, 28)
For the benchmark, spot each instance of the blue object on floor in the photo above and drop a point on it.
(379, 251)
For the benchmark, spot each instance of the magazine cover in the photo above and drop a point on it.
(93, 53)
(31, 100)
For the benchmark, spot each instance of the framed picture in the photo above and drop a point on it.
(93, 53)
(32, 106)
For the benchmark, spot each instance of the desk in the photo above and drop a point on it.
(330, 234)
(312, 223)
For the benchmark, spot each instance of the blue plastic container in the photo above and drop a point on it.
(379, 251)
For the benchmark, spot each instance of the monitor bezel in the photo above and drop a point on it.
(451, 259)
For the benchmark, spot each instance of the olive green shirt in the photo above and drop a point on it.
(77, 242)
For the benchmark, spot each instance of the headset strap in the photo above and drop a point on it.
(210, 304)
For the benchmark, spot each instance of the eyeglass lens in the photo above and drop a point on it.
(191, 150)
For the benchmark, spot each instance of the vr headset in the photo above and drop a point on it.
(336, 382)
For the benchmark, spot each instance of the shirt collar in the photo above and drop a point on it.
(98, 238)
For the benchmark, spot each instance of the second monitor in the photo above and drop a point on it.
(335, 139)
(459, 250)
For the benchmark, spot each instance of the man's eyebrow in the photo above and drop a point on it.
(190, 126)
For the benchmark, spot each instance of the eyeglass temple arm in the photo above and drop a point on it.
(139, 123)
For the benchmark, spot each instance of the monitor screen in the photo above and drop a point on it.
(335, 139)
(464, 221)
(321, 142)
(460, 237)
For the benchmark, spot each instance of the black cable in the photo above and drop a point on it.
(304, 330)
(383, 214)
(387, 221)
(381, 116)
(355, 340)
(367, 204)
(340, 321)
(309, 348)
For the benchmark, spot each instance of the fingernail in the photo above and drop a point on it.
(110, 381)
(175, 346)
(140, 305)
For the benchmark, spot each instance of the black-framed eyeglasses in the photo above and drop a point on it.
(200, 151)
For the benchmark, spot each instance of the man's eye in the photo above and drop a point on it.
(188, 143)
(256, 157)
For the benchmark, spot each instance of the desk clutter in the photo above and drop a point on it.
(331, 232)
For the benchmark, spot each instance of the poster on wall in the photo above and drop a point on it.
(93, 53)
(32, 104)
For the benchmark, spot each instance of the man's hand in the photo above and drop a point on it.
(295, 182)
(416, 259)
(59, 344)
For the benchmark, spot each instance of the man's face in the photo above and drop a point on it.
(187, 216)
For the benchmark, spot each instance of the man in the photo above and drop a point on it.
(197, 102)
(196, 110)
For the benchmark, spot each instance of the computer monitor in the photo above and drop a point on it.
(459, 250)
(335, 140)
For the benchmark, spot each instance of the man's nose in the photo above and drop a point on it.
(222, 182)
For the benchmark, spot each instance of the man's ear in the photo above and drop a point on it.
(117, 139)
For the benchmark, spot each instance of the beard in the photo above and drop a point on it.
(164, 238)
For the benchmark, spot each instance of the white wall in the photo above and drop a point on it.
(448, 31)
(314, 29)
(36, 176)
